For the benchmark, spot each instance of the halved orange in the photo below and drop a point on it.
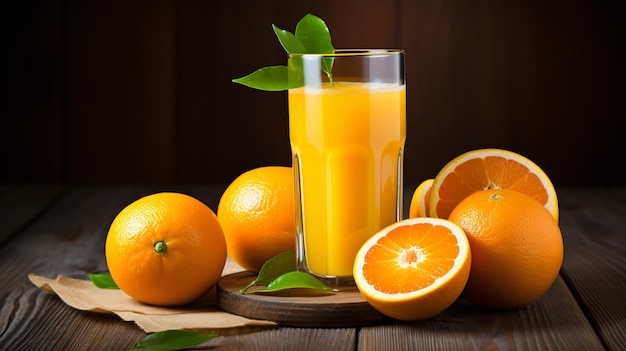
(419, 201)
(486, 169)
(414, 269)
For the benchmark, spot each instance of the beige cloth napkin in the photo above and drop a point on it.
(202, 315)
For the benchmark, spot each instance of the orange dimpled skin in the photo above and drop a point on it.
(516, 245)
(166, 249)
(257, 214)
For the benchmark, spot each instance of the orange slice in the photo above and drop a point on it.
(486, 169)
(414, 269)
(419, 201)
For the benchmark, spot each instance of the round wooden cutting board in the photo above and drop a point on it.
(343, 309)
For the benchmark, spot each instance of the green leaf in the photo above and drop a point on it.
(313, 33)
(275, 267)
(290, 43)
(171, 340)
(103, 281)
(311, 37)
(272, 78)
(295, 281)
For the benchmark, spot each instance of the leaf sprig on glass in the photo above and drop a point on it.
(311, 37)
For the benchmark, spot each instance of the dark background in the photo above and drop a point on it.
(141, 92)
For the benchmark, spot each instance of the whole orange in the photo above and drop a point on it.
(257, 214)
(165, 249)
(516, 244)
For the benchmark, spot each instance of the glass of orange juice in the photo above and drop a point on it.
(347, 137)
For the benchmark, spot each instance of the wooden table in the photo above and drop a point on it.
(55, 229)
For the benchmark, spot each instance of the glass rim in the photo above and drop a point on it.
(355, 52)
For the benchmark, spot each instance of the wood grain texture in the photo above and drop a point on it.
(68, 238)
(554, 322)
(20, 206)
(289, 339)
(340, 310)
(583, 310)
(595, 257)
(35, 320)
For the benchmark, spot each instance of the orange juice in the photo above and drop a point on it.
(347, 143)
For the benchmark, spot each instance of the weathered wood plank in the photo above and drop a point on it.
(584, 310)
(592, 222)
(594, 231)
(68, 238)
(33, 320)
(554, 322)
(21, 204)
(288, 339)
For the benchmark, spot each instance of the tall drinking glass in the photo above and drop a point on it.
(347, 138)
